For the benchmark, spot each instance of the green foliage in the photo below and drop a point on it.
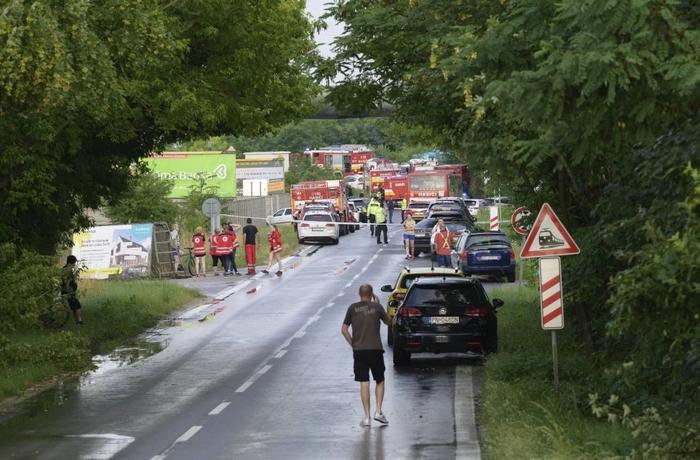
(302, 170)
(145, 200)
(87, 88)
(29, 285)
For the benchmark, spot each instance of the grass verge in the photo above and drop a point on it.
(114, 312)
(524, 415)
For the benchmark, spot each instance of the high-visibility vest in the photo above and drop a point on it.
(404, 204)
(225, 244)
(379, 216)
(213, 243)
(442, 243)
(199, 244)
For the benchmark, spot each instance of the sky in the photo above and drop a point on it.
(316, 8)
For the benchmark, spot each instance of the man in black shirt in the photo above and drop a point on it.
(251, 244)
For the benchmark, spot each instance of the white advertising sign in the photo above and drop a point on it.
(114, 250)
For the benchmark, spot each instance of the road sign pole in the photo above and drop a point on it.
(555, 359)
(522, 262)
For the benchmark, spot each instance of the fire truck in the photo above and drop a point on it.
(430, 185)
(321, 192)
(338, 161)
(396, 187)
(377, 178)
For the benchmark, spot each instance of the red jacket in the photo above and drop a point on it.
(233, 236)
(275, 239)
(213, 243)
(224, 245)
(443, 241)
(199, 244)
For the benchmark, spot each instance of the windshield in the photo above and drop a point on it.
(460, 295)
(408, 280)
(427, 182)
(318, 217)
(481, 240)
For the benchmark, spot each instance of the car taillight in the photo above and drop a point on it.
(512, 253)
(330, 225)
(304, 225)
(479, 312)
(410, 312)
(464, 254)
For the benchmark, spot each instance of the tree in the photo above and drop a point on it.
(88, 88)
(303, 170)
(145, 200)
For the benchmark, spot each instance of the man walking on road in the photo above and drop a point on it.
(368, 354)
(404, 206)
(251, 244)
(380, 228)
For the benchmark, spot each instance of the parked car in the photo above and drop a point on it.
(425, 229)
(281, 216)
(319, 226)
(445, 315)
(455, 200)
(486, 253)
(472, 206)
(356, 182)
(406, 277)
(418, 209)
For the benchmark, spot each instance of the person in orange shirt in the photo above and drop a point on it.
(275, 239)
(443, 245)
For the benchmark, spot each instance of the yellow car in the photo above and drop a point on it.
(406, 277)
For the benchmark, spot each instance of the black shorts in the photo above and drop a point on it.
(74, 303)
(366, 360)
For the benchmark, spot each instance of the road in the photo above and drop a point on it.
(267, 375)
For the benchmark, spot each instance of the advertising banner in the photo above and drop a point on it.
(114, 250)
(185, 169)
(270, 170)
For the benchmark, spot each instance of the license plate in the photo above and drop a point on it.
(320, 229)
(441, 338)
(489, 257)
(444, 320)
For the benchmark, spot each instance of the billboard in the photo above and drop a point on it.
(114, 250)
(270, 170)
(185, 169)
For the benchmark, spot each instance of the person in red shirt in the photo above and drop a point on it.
(275, 239)
(200, 251)
(214, 251)
(443, 245)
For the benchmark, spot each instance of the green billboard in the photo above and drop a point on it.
(185, 169)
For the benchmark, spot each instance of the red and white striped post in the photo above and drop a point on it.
(552, 304)
(494, 221)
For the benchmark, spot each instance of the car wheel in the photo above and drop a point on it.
(401, 357)
(335, 241)
(351, 228)
(389, 336)
(511, 277)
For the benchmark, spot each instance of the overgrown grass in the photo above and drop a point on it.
(114, 312)
(524, 415)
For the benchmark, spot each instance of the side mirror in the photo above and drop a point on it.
(386, 288)
(497, 303)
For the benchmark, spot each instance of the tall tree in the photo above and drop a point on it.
(87, 88)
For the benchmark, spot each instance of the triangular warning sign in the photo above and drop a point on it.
(548, 237)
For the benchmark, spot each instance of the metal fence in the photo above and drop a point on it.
(255, 207)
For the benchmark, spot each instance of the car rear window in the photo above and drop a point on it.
(408, 279)
(480, 240)
(419, 205)
(318, 217)
(426, 223)
(455, 295)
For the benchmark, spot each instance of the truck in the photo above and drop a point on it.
(321, 192)
(338, 161)
(396, 187)
(431, 185)
(377, 178)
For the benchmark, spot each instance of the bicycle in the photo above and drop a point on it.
(187, 260)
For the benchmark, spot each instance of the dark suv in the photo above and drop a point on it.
(445, 315)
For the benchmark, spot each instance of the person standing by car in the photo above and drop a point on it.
(443, 248)
(380, 218)
(200, 251)
(409, 236)
(214, 251)
(275, 239)
(69, 287)
(391, 205)
(250, 232)
(363, 319)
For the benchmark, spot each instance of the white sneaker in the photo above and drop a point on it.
(381, 418)
(365, 422)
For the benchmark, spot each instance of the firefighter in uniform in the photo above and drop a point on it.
(443, 248)
(380, 219)
(372, 207)
(404, 206)
(200, 251)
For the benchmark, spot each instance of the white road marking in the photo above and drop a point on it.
(218, 409)
(330, 304)
(299, 334)
(265, 369)
(280, 354)
(348, 285)
(110, 445)
(465, 421)
(247, 384)
(187, 435)
(158, 457)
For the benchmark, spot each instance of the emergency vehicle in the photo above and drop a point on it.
(396, 187)
(378, 176)
(431, 185)
(330, 193)
(338, 161)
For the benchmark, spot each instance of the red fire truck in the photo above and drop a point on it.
(427, 185)
(377, 177)
(396, 187)
(358, 158)
(328, 192)
(339, 161)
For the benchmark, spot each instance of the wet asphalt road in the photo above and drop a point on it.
(267, 375)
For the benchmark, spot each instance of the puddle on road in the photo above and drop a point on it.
(56, 394)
